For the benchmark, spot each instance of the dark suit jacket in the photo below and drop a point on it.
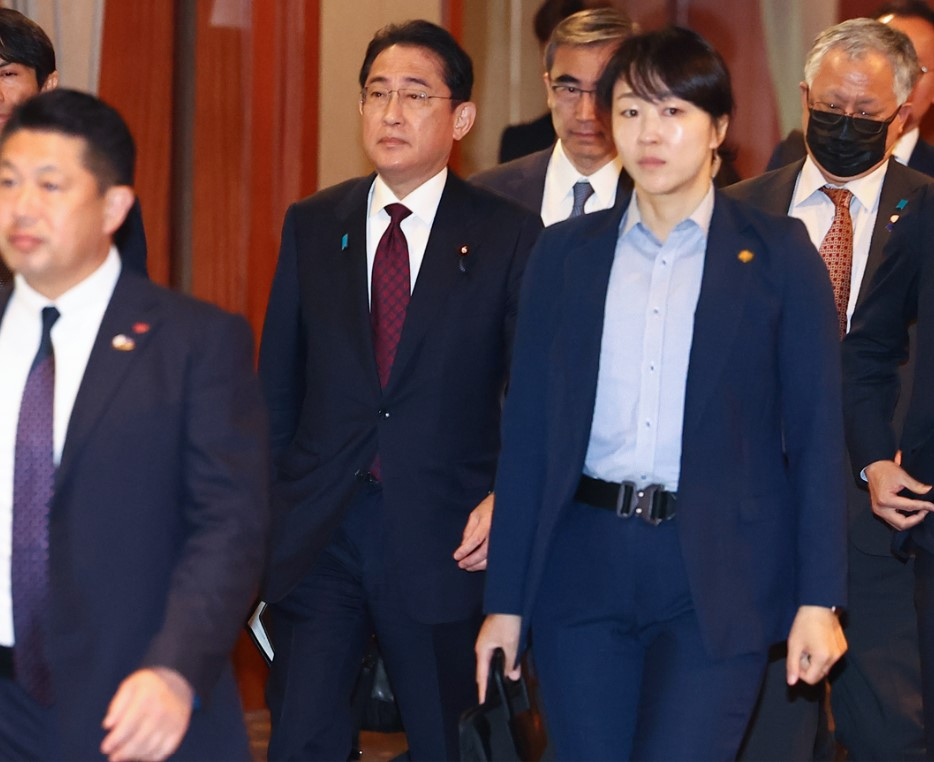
(761, 518)
(436, 424)
(902, 292)
(522, 139)
(158, 522)
(792, 149)
(130, 240)
(773, 192)
(523, 180)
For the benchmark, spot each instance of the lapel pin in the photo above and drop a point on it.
(344, 242)
(745, 256)
(902, 204)
(462, 253)
(123, 343)
(141, 328)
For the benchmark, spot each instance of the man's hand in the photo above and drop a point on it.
(148, 716)
(886, 479)
(498, 631)
(471, 554)
(814, 644)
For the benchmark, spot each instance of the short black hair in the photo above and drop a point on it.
(457, 68)
(906, 9)
(110, 153)
(552, 12)
(670, 62)
(24, 42)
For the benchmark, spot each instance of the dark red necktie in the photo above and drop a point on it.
(33, 477)
(389, 297)
(837, 251)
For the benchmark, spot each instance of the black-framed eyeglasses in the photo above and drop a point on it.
(829, 115)
(571, 93)
(409, 97)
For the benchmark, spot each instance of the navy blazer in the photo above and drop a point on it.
(157, 527)
(761, 512)
(901, 293)
(436, 423)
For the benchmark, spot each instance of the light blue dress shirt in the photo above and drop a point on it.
(647, 333)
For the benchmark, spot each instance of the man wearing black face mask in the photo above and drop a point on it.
(849, 192)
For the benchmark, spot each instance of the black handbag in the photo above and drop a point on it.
(507, 726)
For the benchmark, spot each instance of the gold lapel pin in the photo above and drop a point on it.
(123, 343)
(745, 256)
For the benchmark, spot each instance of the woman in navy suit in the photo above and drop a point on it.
(670, 496)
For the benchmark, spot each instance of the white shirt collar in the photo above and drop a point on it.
(422, 202)
(866, 189)
(603, 181)
(906, 145)
(94, 289)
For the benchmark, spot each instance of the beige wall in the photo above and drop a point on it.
(346, 28)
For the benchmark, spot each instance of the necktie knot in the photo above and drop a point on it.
(397, 213)
(582, 191)
(49, 316)
(840, 196)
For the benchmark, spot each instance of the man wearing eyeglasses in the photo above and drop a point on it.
(384, 359)
(581, 173)
(849, 191)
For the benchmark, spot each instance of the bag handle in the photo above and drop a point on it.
(512, 693)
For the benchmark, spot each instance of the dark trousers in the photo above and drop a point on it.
(320, 633)
(622, 667)
(924, 602)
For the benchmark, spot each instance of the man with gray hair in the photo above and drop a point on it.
(850, 192)
(581, 173)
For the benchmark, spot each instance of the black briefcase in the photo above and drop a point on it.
(506, 727)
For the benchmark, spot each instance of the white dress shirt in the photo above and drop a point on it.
(422, 202)
(560, 178)
(815, 209)
(648, 329)
(81, 310)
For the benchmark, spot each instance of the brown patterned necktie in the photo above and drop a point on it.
(837, 251)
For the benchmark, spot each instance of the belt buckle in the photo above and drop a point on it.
(648, 504)
(625, 503)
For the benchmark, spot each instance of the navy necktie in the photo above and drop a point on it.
(33, 477)
(582, 191)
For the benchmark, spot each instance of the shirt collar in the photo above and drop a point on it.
(94, 289)
(603, 181)
(700, 216)
(422, 202)
(810, 181)
(906, 145)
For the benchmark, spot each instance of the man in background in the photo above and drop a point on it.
(581, 172)
(850, 191)
(27, 67)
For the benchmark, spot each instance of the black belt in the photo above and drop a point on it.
(6, 663)
(652, 503)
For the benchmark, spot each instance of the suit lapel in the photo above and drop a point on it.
(350, 274)
(128, 325)
(719, 307)
(452, 230)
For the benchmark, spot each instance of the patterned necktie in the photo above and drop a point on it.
(33, 476)
(389, 298)
(837, 251)
(582, 191)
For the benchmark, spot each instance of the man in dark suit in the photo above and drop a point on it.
(916, 19)
(876, 691)
(137, 502)
(581, 172)
(27, 67)
(899, 468)
(384, 359)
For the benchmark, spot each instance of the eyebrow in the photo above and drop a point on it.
(405, 80)
(566, 79)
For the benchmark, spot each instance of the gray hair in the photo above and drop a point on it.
(856, 38)
(596, 26)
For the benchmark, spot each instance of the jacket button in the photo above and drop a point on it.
(383, 413)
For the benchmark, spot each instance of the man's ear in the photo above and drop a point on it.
(51, 82)
(464, 117)
(117, 202)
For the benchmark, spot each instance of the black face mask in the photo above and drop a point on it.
(846, 146)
